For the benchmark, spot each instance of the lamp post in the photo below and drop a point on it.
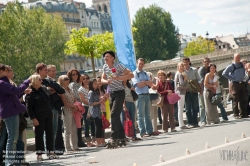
(207, 35)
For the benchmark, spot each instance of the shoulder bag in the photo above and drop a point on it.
(161, 101)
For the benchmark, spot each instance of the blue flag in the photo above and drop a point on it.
(123, 33)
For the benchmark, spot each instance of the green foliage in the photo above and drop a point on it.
(155, 34)
(29, 37)
(90, 47)
(199, 46)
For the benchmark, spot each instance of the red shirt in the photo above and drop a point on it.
(164, 92)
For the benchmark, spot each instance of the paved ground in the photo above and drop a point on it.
(171, 146)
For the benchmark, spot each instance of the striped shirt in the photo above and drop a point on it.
(85, 92)
(115, 84)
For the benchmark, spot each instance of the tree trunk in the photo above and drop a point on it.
(93, 63)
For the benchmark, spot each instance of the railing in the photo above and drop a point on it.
(225, 91)
(196, 57)
(72, 20)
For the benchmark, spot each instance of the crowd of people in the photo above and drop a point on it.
(49, 102)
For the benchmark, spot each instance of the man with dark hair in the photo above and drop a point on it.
(114, 74)
(141, 82)
(191, 98)
(203, 70)
(236, 73)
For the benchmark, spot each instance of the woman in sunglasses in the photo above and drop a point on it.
(74, 84)
(10, 108)
(39, 107)
(70, 132)
(83, 94)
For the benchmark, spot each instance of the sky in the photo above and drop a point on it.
(218, 17)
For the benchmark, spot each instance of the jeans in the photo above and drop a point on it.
(176, 111)
(159, 115)
(202, 109)
(223, 111)
(131, 110)
(192, 106)
(12, 126)
(144, 119)
(20, 150)
(88, 123)
(2, 140)
(59, 143)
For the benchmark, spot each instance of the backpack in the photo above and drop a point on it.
(235, 68)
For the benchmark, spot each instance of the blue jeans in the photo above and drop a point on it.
(20, 150)
(12, 126)
(192, 106)
(223, 111)
(144, 118)
(202, 109)
(131, 110)
(3, 139)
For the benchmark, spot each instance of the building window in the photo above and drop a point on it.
(97, 25)
(92, 24)
(67, 15)
(105, 9)
(219, 47)
(72, 7)
(224, 46)
(62, 15)
(99, 8)
(49, 5)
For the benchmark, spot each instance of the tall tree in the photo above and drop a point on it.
(29, 37)
(199, 46)
(90, 47)
(156, 35)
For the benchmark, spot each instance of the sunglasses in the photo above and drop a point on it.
(75, 74)
(85, 78)
(66, 79)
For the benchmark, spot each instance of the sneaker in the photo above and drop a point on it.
(145, 135)
(191, 126)
(173, 130)
(224, 120)
(203, 124)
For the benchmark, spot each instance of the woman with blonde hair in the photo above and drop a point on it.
(180, 81)
(39, 107)
(164, 88)
(70, 132)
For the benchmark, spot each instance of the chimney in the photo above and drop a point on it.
(194, 34)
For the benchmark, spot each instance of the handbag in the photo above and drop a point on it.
(134, 95)
(216, 99)
(173, 98)
(128, 125)
(153, 95)
(194, 86)
(161, 98)
(105, 122)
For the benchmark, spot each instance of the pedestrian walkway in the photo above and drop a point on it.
(31, 141)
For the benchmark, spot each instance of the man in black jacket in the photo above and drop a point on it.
(54, 89)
